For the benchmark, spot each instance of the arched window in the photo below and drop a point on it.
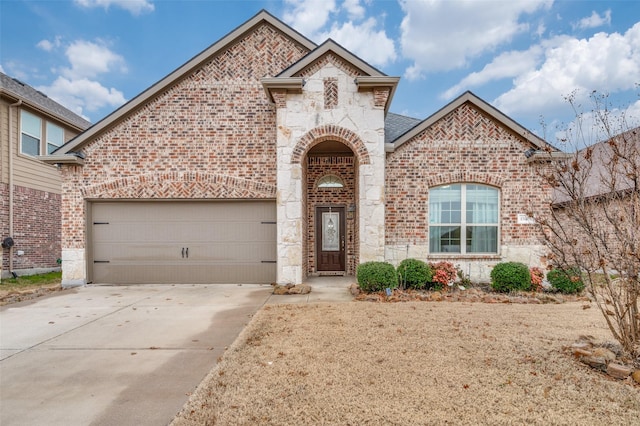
(330, 181)
(463, 218)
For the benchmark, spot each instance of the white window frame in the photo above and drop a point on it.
(24, 132)
(46, 130)
(463, 224)
(330, 181)
(51, 143)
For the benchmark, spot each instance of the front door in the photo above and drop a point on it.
(330, 241)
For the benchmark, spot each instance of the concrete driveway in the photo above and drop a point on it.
(108, 355)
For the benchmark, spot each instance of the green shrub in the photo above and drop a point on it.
(566, 280)
(510, 276)
(376, 276)
(414, 273)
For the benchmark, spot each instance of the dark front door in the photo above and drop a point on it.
(330, 238)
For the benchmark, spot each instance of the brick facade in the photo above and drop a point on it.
(464, 146)
(4, 223)
(212, 135)
(222, 132)
(36, 228)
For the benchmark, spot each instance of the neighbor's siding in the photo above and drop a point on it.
(211, 135)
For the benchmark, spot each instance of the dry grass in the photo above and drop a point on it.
(412, 364)
(28, 287)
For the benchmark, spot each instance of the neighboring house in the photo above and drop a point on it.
(596, 202)
(268, 158)
(31, 124)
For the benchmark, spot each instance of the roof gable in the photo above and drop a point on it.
(301, 68)
(366, 77)
(478, 103)
(261, 18)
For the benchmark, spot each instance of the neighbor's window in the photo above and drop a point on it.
(55, 137)
(31, 134)
(330, 181)
(463, 218)
(32, 141)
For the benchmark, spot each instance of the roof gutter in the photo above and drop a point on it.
(75, 158)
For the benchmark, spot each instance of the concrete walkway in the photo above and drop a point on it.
(125, 355)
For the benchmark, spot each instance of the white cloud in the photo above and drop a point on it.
(78, 87)
(441, 35)
(354, 9)
(359, 39)
(83, 94)
(506, 65)
(593, 21)
(308, 16)
(88, 59)
(357, 35)
(605, 62)
(588, 127)
(135, 7)
(48, 45)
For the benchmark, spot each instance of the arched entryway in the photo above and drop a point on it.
(331, 198)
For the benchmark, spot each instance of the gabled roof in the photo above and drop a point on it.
(372, 77)
(18, 90)
(456, 103)
(261, 17)
(326, 47)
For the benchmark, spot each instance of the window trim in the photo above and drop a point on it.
(464, 224)
(333, 181)
(43, 138)
(48, 141)
(24, 132)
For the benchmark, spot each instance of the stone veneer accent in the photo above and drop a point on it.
(211, 135)
(464, 146)
(304, 123)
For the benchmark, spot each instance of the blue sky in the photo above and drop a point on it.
(523, 57)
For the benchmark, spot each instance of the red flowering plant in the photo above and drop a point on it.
(536, 278)
(444, 274)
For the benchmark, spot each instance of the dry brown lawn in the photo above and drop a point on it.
(417, 363)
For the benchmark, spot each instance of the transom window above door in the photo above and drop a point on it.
(463, 219)
(330, 181)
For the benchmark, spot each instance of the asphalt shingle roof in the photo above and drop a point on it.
(395, 125)
(29, 94)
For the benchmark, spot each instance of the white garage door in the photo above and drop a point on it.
(183, 242)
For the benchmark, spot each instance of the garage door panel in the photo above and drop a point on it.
(184, 242)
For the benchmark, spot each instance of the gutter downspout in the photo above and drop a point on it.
(12, 141)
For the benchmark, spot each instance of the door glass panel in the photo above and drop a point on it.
(330, 231)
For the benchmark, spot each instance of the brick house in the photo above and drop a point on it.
(30, 124)
(270, 158)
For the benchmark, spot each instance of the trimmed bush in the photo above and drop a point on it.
(444, 273)
(376, 276)
(414, 273)
(510, 276)
(566, 281)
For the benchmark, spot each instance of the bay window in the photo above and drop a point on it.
(463, 219)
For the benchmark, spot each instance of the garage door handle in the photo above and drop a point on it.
(183, 252)
(187, 252)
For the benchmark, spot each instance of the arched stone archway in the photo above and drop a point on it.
(326, 133)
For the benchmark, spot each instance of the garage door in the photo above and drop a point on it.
(183, 242)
